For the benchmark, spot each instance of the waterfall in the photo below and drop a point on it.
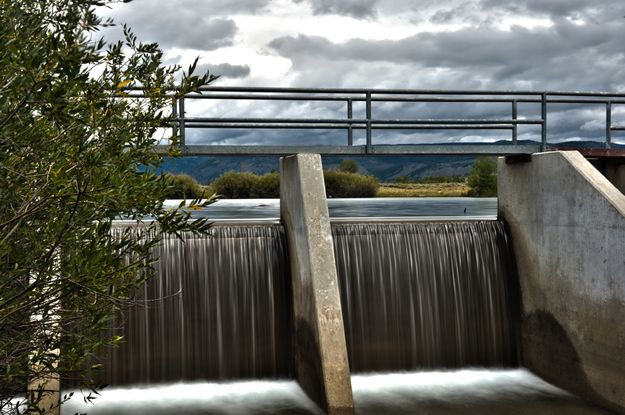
(414, 295)
(427, 295)
(218, 308)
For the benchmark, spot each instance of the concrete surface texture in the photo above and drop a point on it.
(567, 223)
(48, 389)
(321, 362)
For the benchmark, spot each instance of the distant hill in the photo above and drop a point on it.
(386, 168)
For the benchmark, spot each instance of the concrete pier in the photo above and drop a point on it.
(567, 223)
(46, 392)
(321, 362)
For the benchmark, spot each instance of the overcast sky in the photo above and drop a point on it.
(421, 44)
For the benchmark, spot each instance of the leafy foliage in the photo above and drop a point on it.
(71, 144)
(243, 185)
(423, 190)
(431, 179)
(183, 186)
(348, 166)
(342, 184)
(483, 177)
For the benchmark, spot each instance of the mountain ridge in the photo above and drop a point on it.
(385, 167)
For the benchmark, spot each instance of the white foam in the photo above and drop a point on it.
(235, 398)
(462, 392)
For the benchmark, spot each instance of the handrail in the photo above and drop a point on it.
(370, 123)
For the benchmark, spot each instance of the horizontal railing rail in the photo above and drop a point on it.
(372, 98)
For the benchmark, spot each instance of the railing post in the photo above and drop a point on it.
(181, 114)
(608, 124)
(543, 110)
(368, 115)
(350, 129)
(515, 125)
(174, 115)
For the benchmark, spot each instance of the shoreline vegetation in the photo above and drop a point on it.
(423, 189)
(345, 181)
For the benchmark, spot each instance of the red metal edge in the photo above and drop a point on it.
(594, 152)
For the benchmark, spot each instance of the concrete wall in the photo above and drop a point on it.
(321, 363)
(567, 222)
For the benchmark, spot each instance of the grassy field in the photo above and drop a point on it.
(422, 190)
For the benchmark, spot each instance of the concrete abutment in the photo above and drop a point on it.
(567, 223)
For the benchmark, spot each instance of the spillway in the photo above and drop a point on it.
(414, 296)
(218, 308)
(427, 295)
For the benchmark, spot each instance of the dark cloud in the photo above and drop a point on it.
(210, 8)
(579, 46)
(201, 25)
(474, 11)
(563, 56)
(591, 10)
(468, 12)
(202, 34)
(231, 6)
(225, 70)
(353, 8)
(205, 34)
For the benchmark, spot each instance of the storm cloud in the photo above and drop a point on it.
(561, 56)
(183, 24)
(207, 34)
(225, 70)
(353, 8)
(416, 44)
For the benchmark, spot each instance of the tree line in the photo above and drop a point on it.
(344, 181)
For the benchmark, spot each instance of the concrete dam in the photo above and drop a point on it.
(437, 295)
(541, 287)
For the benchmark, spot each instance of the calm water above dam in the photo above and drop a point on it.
(361, 208)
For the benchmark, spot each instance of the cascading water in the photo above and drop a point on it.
(414, 295)
(218, 308)
(426, 295)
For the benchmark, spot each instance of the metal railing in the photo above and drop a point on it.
(374, 97)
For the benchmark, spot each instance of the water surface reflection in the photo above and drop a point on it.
(359, 207)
